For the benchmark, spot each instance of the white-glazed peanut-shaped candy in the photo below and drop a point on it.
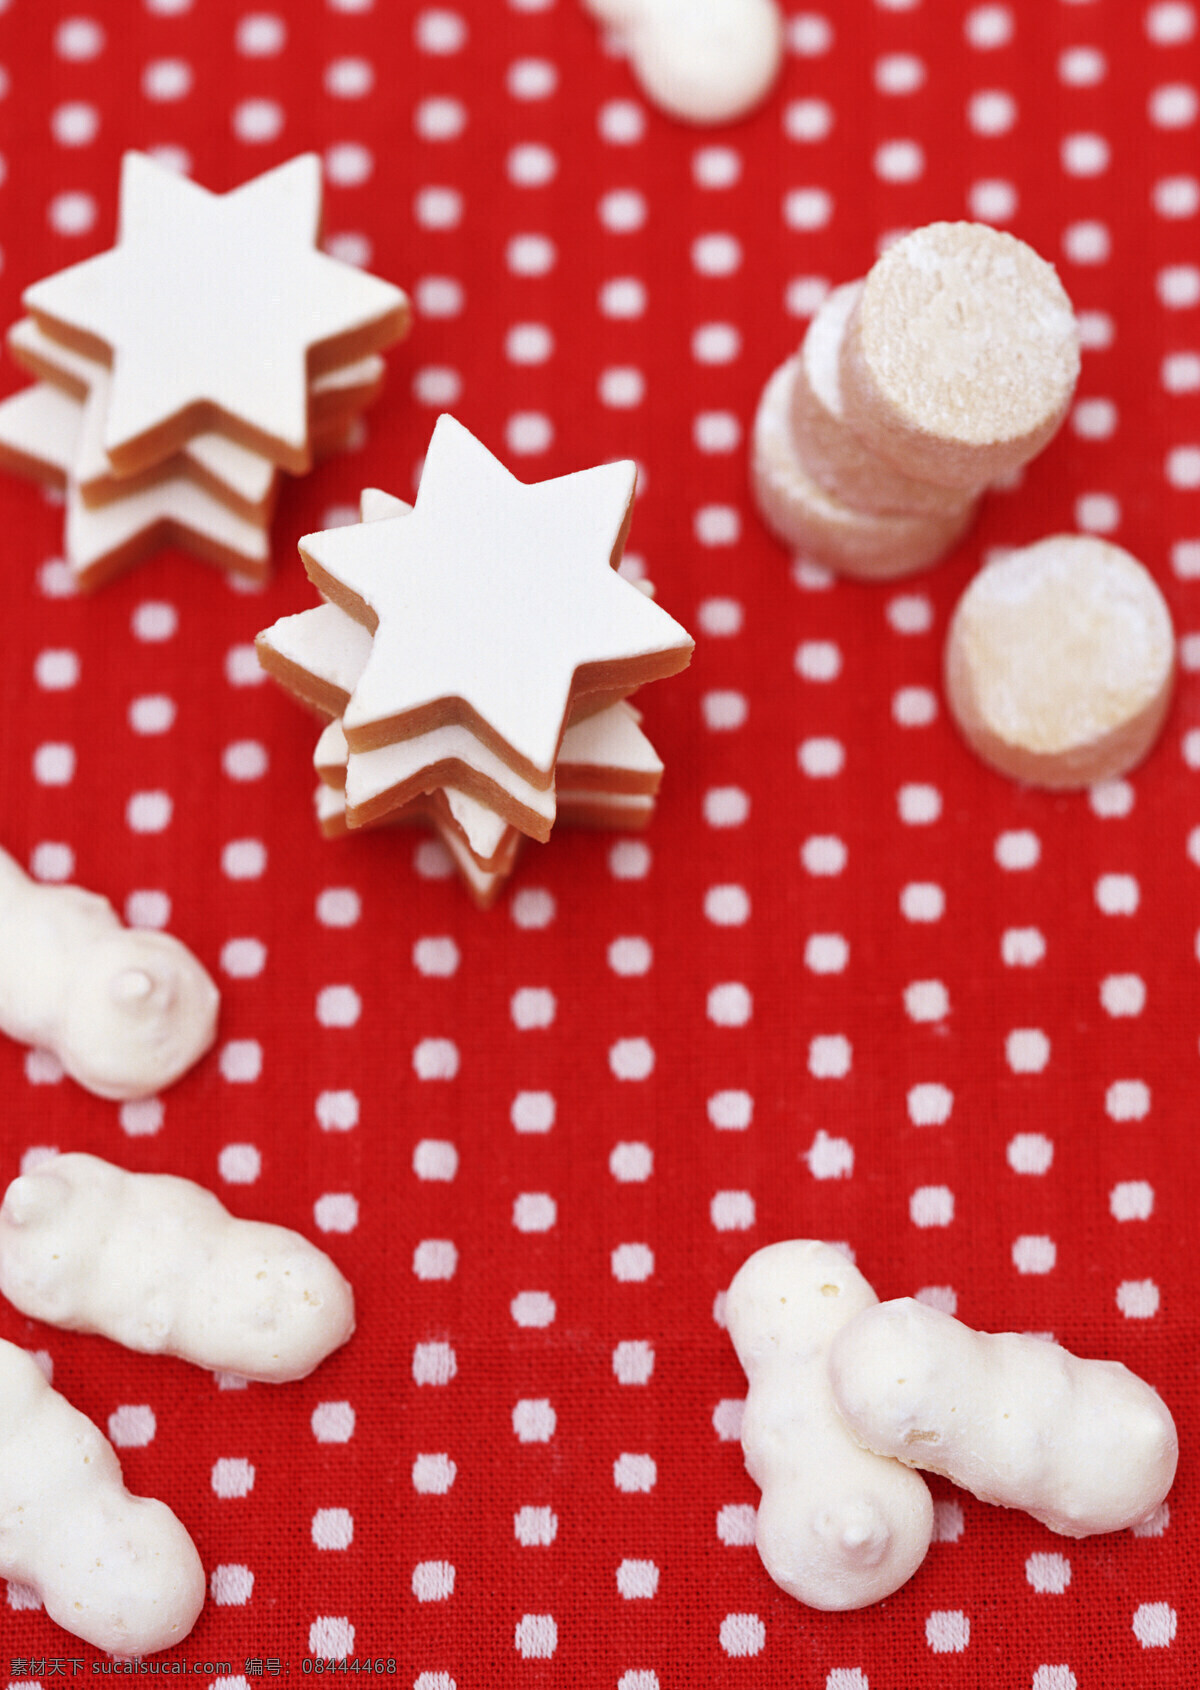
(705, 61)
(837, 1526)
(158, 1264)
(117, 1570)
(1060, 662)
(125, 1011)
(1083, 1446)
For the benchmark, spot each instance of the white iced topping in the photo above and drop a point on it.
(1083, 1446)
(117, 1570)
(158, 1264)
(706, 61)
(837, 1526)
(125, 1011)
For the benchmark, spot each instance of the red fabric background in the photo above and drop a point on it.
(1129, 1614)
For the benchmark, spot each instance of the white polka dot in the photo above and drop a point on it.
(622, 211)
(1131, 1200)
(433, 1475)
(732, 1211)
(828, 1157)
(919, 805)
(532, 79)
(529, 432)
(531, 165)
(630, 957)
(818, 660)
(1029, 1153)
(931, 1205)
(1049, 1575)
(1155, 1625)
(899, 161)
(621, 123)
(914, 707)
(730, 1005)
(811, 577)
(716, 254)
(631, 1163)
(1178, 286)
(260, 35)
(929, 1104)
(436, 958)
(435, 1159)
(1082, 67)
(726, 806)
(437, 385)
(435, 1259)
(78, 39)
(821, 758)
(1170, 23)
(331, 1636)
(142, 1118)
(42, 1068)
(244, 859)
(1027, 1050)
(716, 343)
(807, 209)
(535, 1528)
(231, 1585)
(826, 953)
(632, 1264)
(1127, 1100)
(338, 906)
(434, 1364)
(51, 861)
(988, 27)
(724, 711)
(533, 1007)
(805, 295)
(332, 1528)
(926, 1000)
(809, 34)
(1176, 196)
(1111, 798)
(1123, 994)
(829, 1056)
(1016, 850)
(727, 906)
(75, 124)
(1097, 513)
(149, 812)
(910, 613)
(349, 79)
(433, 1581)
(823, 854)
(1173, 106)
(132, 1425)
(1183, 467)
(438, 208)
(949, 1631)
(232, 1477)
(621, 387)
(440, 31)
(743, 1635)
(148, 908)
(167, 79)
(337, 1111)
(633, 1362)
(154, 713)
(731, 1111)
(333, 1422)
(899, 73)
(1022, 947)
(807, 120)
(336, 1211)
(1138, 1299)
(528, 343)
(1034, 1254)
(944, 1298)
(72, 213)
(716, 167)
(1117, 894)
(245, 759)
(54, 764)
(239, 1164)
(735, 1524)
(536, 1637)
(1094, 419)
(623, 298)
(1087, 242)
(992, 111)
(257, 121)
(635, 1473)
(1085, 154)
(439, 296)
(637, 1581)
(992, 200)
(531, 255)
(534, 1420)
(922, 900)
(435, 1059)
(534, 1211)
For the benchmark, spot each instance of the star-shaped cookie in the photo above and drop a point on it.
(214, 310)
(493, 604)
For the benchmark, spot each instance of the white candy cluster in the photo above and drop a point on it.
(705, 61)
(160, 1265)
(125, 1011)
(847, 1395)
(117, 1570)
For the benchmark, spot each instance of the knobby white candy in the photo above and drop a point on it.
(706, 61)
(1060, 662)
(1083, 1446)
(117, 1570)
(838, 1527)
(125, 1011)
(158, 1264)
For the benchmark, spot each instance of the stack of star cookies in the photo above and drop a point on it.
(946, 370)
(474, 657)
(179, 373)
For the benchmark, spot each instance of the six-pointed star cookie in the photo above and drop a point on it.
(215, 309)
(494, 604)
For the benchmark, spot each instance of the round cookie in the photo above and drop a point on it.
(831, 452)
(1059, 662)
(801, 514)
(703, 61)
(961, 355)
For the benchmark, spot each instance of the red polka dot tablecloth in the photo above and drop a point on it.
(849, 984)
